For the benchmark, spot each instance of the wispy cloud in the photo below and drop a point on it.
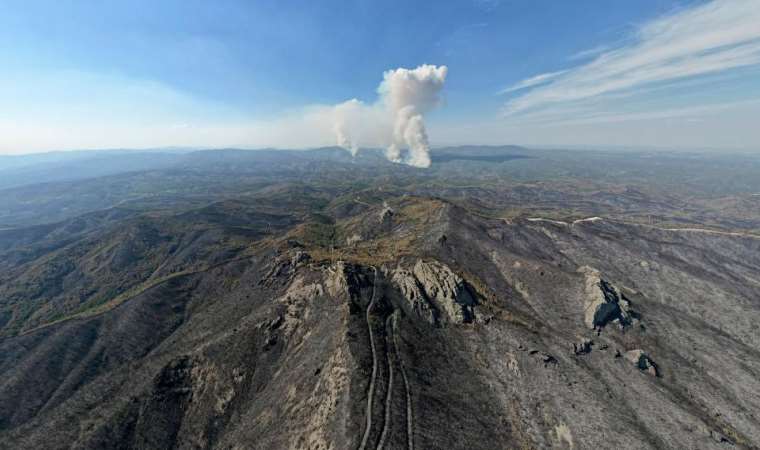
(532, 81)
(487, 5)
(713, 37)
(588, 53)
(695, 112)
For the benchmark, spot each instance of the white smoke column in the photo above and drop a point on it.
(405, 96)
(409, 129)
(344, 140)
(344, 126)
(408, 94)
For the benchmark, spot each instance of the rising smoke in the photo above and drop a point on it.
(397, 118)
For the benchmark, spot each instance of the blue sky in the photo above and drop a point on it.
(108, 74)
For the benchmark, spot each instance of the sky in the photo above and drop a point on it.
(252, 74)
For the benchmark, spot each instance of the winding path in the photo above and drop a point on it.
(371, 392)
(389, 393)
(392, 346)
(627, 222)
(409, 428)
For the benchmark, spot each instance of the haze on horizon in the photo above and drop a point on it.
(661, 73)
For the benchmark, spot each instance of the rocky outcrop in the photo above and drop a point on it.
(582, 347)
(604, 303)
(300, 258)
(386, 214)
(543, 357)
(415, 296)
(296, 299)
(386, 218)
(353, 239)
(435, 293)
(642, 361)
(335, 281)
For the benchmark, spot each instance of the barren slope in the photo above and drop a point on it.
(488, 333)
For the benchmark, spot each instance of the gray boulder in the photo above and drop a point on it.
(642, 361)
(604, 303)
(435, 293)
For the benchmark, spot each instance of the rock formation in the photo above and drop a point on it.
(604, 303)
(642, 361)
(435, 293)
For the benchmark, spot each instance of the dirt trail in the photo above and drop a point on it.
(707, 231)
(389, 394)
(684, 229)
(409, 428)
(371, 392)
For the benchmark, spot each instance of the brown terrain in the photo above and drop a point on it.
(319, 302)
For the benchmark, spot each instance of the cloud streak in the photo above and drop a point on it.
(702, 40)
(532, 81)
(591, 52)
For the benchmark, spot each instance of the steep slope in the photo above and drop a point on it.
(52, 272)
(675, 363)
(190, 362)
(412, 323)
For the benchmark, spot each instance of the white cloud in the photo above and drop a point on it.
(487, 5)
(706, 39)
(728, 126)
(694, 112)
(588, 53)
(532, 81)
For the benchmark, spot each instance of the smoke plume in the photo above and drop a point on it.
(397, 118)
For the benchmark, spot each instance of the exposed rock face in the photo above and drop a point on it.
(405, 280)
(300, 257)
(297, 298)
(353, 239)
(642, 361)
(386, 214)
(604, 303)
(336, 282)
(544, 357)
(436, 293)
(386, 218)
(583, 347)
